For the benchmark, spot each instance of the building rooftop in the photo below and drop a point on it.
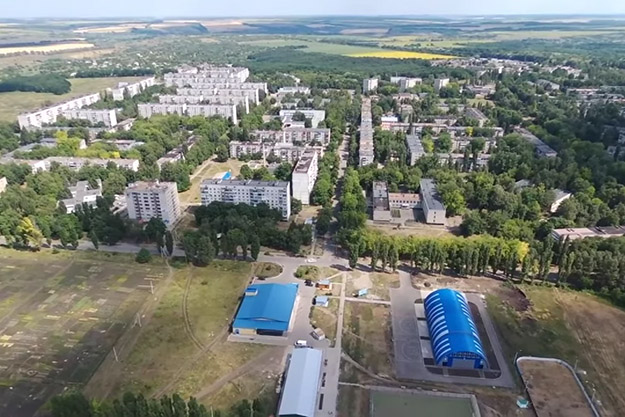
(299, 397)
(80, 191)
(148, 186)
(305, 161)
(430, 194)
(266, 306)
(245, 183)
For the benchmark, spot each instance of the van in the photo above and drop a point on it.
(301, 343)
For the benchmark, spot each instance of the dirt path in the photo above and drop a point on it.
(107, 376)
(185, 314)
(257, 363)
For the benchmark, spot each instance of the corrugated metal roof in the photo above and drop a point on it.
(299, 396)
(266, 306)
(452, 330)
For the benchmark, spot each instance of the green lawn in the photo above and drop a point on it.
(14, 103)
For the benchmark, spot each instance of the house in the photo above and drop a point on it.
(322, 301)
(324, 284)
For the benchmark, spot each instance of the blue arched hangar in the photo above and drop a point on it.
(453, 334)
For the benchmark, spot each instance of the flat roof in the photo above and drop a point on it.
(245, 183)
(299, 396)
(430, 194)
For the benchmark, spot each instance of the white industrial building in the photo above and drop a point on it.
(304, 176)
(146, 200)
(276, 194)
(130, 89)
(106, 117)
(301, 386)
(366, 154)
(433, 208)
(82, 193)
(369, 84)
(49, 115)
(148, 110)
(315, 116)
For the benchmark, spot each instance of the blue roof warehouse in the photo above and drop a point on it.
(266, 309)
(453, 334)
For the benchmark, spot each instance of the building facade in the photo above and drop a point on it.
(276, 194)
(147, 200)
(107, 117)
(147, 110)
(131, 89)
(304, 176)
(82, 193)
(48, 115)
(433, 208)
(369, 84)
(366, 154)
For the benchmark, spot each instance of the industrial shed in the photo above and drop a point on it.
(266, 309)
(299, 396)
(453, 334)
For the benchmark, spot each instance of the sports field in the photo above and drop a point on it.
(385, 404)
(14, 103)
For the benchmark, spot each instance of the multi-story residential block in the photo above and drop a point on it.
(369, 84)
(124, 89)
(366, 134)
(107, 117)
(473, 113)
(276, 194)
(286, 152)
(542, 149)
(147, 200)
(179, 99)
(482, 91)
(242, 101)
(76, 163)
(82, 193)
(148, 110)
(49, 115)
(406, 82)
(217, 73)
(294, 135)
(433, 208)
(292, 90)
(315, 116)
(232, 94)
(304, 176)
(415, 148)
(440, 83)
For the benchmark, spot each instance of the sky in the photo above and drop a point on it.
(244, 8)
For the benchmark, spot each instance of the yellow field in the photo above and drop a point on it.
(400, 55)
(45, 49)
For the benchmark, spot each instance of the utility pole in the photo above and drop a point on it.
(115, 353)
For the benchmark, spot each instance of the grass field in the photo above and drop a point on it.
(165, 360)
(384, 404)
(14, 103)
(61, 319)
(314, 273)
(266, 270)
(325, 318)
(571, 326)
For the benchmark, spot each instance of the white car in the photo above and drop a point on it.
(301, 343)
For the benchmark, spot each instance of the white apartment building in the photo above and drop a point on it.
(81, 194)
(295, 135)
(304, 176)
(276, 194)
(369, 84)
(148, 110)
(365, 152)
(242, 101)
(226, 73)
(107, 117)
(48, 115)
(292, 90)
(286, 152)
(222, 94)
(77, 163)
(440, 83)
(315, 116)
(178, 99)
(146, 200)
(433, 208)
(132, 89)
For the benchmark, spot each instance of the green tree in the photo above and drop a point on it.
(143, 256)
(254, 246)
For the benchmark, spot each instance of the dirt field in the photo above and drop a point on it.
(553, 390)
(378, 284)
(61, 319)
(567, 325)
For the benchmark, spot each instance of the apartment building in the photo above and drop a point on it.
(406, 82)
(131, 89)
(304, 176)
(286, 152)
(217, 73)
(146, 200)
(49, 115)
(107, 117)
(179, 99)
(415, 148)
(366, 154)
(82, 193)
(75, 163)
(369, 85)
(148, 110)
(242, 101)
(440, 83)
(433, 208)
(542, 149)
(292, 90)
(473, 113)
(315, 116)
(251, 95)
(294, 135)
(276, 194)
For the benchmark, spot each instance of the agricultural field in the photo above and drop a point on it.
(189, 329)
(60, 320)
(14, 103)
(400, 55)
(576, 327)
(45, 49)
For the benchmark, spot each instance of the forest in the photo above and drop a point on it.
(39, 83)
